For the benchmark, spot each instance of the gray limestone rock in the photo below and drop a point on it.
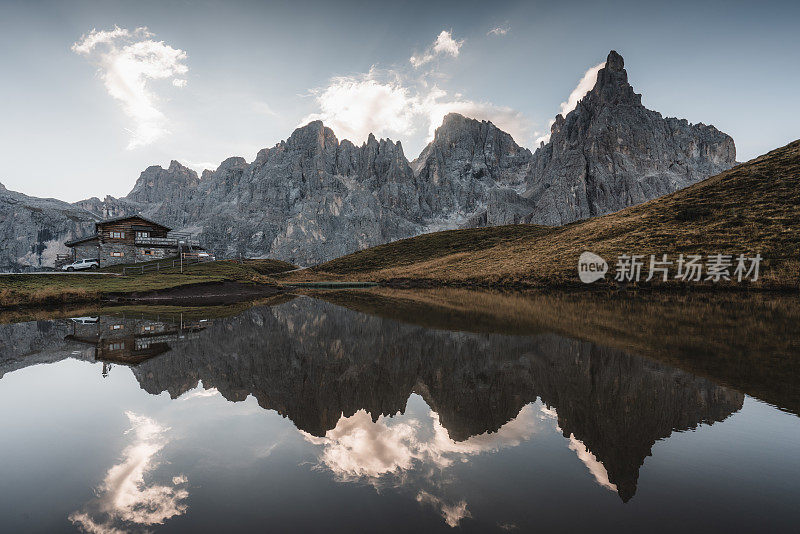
(33, 230)
(611, 152)
(312, 198)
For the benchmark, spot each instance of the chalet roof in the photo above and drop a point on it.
(80, 240)
(117, 219)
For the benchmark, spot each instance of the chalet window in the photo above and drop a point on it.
(147, 252)
(116, 346)
(117, 254)
(116, 327)
(142, 234)
(118, 235)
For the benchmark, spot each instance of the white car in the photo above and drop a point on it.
(81, 265)
(85, 320)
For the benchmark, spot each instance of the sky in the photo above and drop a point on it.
(92, 93)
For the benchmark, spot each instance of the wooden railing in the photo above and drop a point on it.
(166, 241)
(158, 267)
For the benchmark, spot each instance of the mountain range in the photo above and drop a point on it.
(312, 198)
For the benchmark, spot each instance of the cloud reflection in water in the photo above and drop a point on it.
(125, 501)
(411, 453)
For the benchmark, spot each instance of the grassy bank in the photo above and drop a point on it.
(61, 289)
(752, 208)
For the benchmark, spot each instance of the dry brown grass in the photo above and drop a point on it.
(754, 207)
(59, 289)
(50, 296)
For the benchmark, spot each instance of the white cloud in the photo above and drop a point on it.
(360, 448)
(124, 498)
(264, 109)
(595, 466)
(499, 31)
(584, 86)
(437, 104)
(200, 392)
(200, 166)
(405, 103)
(444, 45)
(390, 453)
(386, 104)
(451, 513)
(127, 62)
(355, 106)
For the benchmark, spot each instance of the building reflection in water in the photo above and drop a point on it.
(131, 340)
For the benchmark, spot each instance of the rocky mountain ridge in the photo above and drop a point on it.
(312, 198)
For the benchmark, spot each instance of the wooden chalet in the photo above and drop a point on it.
(129, 240)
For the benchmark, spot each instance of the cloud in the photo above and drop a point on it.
(444, 45)
(127, 61)
(452, 513)
(200, 166)
(595, 466)
(355, 106)
(358, 448)
(200, 392)
(437, 104)
(499, 31)
(585, 85)
(387, 453)
(402, 102)
(124, 498)
(388, 104)
(264, 109)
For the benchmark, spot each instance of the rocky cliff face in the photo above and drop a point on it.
(611, 152)
(308, 198)
(313, 198)
(467, 161)
(33, 230)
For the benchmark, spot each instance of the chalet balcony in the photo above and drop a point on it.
(166, 241)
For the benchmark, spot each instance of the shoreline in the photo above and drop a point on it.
(226, 291)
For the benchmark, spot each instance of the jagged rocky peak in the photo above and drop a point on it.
(612, 85)
(611, 152)
(314, 134)
(155, 184)
(463, 146)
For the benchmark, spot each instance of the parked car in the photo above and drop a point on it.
(85, 320)
(81, 265)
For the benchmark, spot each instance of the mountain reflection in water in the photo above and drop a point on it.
(396, 390)
(316, 364)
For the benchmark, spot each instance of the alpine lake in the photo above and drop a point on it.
(383, 410)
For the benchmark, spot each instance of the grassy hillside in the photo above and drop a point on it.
(754, 207)
(56, 289)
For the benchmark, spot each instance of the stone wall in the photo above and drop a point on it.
(132, 253)
(87, 251)
(107, 251)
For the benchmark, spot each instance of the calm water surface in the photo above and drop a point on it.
(403, 414)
